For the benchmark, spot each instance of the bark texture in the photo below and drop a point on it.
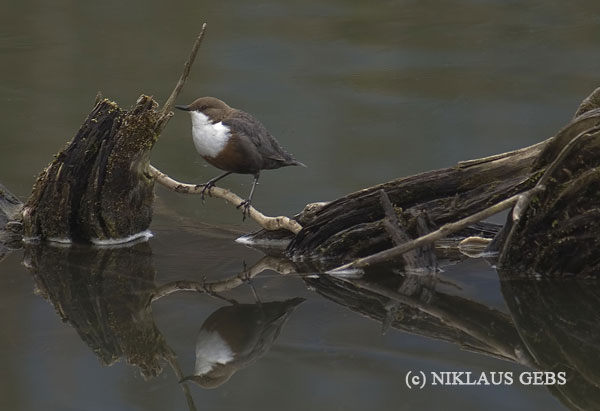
(96, 188)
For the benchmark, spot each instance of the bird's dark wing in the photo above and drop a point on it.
(243, 123)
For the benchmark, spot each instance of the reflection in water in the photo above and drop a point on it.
(234, 337)
(559, 323)
(106, 295)
(552, 327)
(411, 303)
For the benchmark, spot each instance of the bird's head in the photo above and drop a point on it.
(211, 107)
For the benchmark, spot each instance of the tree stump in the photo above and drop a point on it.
(97, 188)
(559, 233)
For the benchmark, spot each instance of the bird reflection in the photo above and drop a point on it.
(235, 336)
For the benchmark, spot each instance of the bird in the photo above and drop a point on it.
(235, 336)
(234, 141)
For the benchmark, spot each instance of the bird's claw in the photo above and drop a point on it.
(245, 206)
(245, 274)
(206, 187)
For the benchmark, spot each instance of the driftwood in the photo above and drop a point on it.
(558, 229)
(97, 189)
(554, 226)
(268, 223)
(10, 228)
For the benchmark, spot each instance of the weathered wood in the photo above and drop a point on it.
(554, 226)
(268, 223)
(10, 227)
(352, 226)
(10, 206)
(586, 117)
(559, 232)
(418, 259)
(96, 188)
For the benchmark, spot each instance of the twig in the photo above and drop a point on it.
(268, 223)
(227, 284)
(396, 233)
(172, 360)
(166, 110)
(442, 232)
(390, 222)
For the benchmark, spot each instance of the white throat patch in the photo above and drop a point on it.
(209, 138)
(211, 350)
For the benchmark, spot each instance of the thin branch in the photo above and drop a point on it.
(206, 287)
(168, 106)
(442, 232)
(172, 360)
(280, 265)
(268, 223)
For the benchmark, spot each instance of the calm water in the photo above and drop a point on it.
(362, 92)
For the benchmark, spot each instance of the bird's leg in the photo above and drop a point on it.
(210, 184)
(245, 205)
(246, 277)
(208, 290)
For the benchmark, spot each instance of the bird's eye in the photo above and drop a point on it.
(203, 108)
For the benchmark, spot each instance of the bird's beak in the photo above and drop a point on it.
(184, 108)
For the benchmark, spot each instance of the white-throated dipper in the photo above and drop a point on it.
(234, 141)
(235, 336)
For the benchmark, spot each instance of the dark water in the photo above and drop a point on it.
(362, 92)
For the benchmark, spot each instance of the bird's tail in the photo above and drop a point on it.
(297, 163)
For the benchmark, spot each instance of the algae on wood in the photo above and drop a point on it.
(96, 188)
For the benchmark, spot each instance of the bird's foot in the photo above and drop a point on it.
(245, 206)
(205, 187)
